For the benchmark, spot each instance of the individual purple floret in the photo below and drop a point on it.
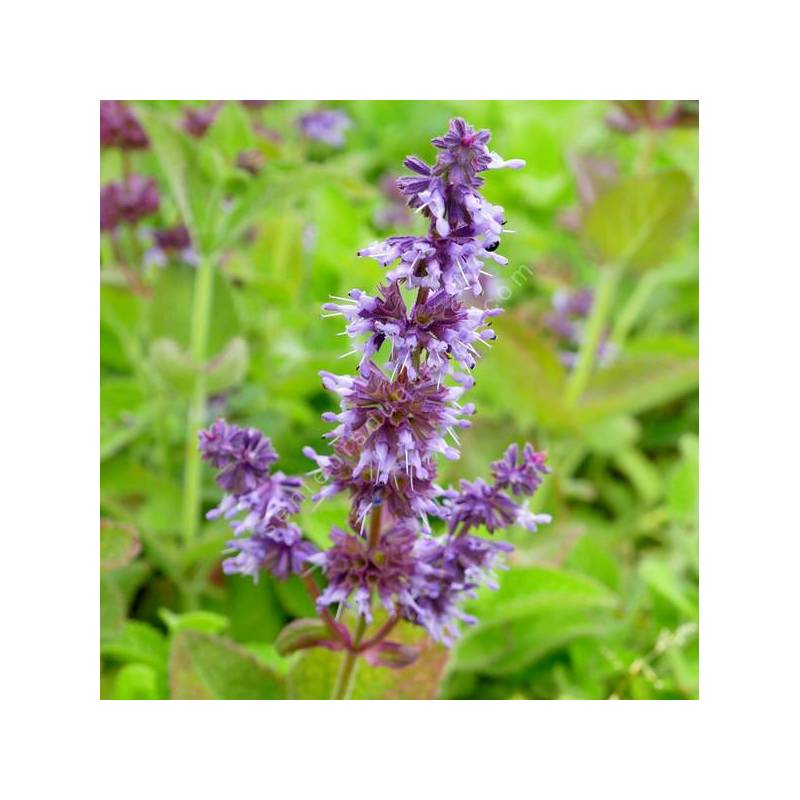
(128, 201)
(119, 127)
(325, 125)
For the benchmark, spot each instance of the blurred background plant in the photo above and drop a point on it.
(224, 227)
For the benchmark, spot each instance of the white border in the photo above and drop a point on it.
(60, 59)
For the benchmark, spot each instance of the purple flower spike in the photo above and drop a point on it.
(417, 343)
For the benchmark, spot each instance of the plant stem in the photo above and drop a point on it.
(382, 633)
(344, 680)
(603, 300)
(633, 308)
(200, 321)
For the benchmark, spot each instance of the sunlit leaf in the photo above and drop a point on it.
(137, 642)
(638, 221)
(206, 667)
(199, 620)
(535, 612)
(637, 383)
(137, 682)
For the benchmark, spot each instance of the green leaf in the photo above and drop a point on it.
(665, 581)
(300, 634)
(138, 642)
(176, 159)
(641, 472)
(506, 646)
(229, 368)
(523, 590)
(683, 484)
(611, 434)
(136, 682)
(638, 221)
(124, 414)
(522, 358)
(294, 597)
(119, 544)
(231, 132)
(252, 608)
(268, 655)
(177, 368)
(206, 667)
(173, 364)
(591, 558)
(535, 612)
(203, 621)
(637, 383)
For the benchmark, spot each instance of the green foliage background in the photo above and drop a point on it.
(602, 603)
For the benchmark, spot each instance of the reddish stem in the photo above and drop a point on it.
(382, 633)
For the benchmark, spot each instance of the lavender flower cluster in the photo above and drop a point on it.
(416, 342)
